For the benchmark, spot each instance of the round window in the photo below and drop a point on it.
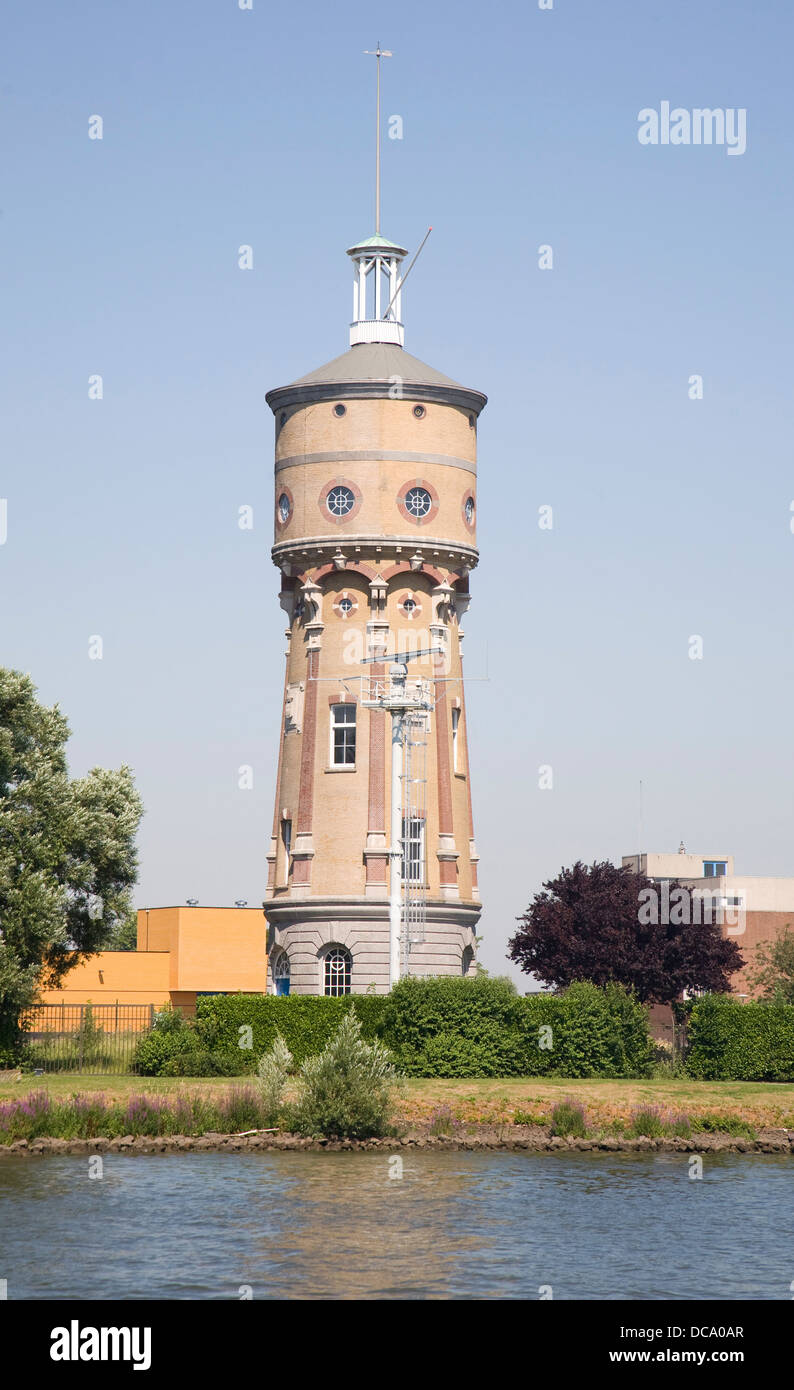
(419, 411)
(409, 604)
(418, 501)
(284, 508)
(346, 605)
(468, 508)
(340, 501)
(340, 410)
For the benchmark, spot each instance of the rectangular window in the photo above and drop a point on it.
(343, 735)
(286, 847)
(455, 724)
(712, 868)
(413, 869)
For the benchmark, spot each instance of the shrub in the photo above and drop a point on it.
(568, 1118)
(240, 1108)
(443, 1120)
(731, 1041)
(454, 1027)
(647, 1120)
(723, 1124)
(347, 1090)
(157, 1048)
(274, 1068)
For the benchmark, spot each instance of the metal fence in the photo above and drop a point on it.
(90, 1038)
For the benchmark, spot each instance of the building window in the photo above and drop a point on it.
(286, 846)
(455, 727)
(340, 410)
(340, 501)
(343, 735)
(284, 508)
(336, 973)
(281, 973)
(419, 412)
(413, 869)
(713, 868)
(466, 960)
(418, 501)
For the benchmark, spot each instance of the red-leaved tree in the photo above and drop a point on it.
(599, 923)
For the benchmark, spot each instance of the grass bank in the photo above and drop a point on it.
(485, 1102)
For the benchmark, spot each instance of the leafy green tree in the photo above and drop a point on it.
(67, 850)
(124, 936)
(773, 972)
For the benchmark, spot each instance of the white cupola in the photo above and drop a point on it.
(377, 291)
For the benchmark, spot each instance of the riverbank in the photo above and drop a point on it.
(483, 1138)
(480, 1101)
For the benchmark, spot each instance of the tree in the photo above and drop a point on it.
(600, 923)
(773, 972)
(67, 850)
(124, 936)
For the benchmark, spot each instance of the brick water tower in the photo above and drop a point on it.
(372, 869)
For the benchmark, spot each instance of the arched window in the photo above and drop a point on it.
(336, 972)
(466, 961)
(281, 973)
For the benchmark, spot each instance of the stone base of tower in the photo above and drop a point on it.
(308, 931)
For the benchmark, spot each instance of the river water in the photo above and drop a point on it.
(454, 1225)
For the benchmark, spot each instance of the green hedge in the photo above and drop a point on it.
(731, 1041)
(305, 1022)
(481, 1027)
(445, 1027)
(210, 1045)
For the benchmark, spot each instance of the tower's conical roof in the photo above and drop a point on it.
(376, 369)
(377, 362)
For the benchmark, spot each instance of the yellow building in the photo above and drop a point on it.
(182, 952)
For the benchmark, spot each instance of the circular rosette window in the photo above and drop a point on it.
(285, 507)
(409, 605)
(340, 501)
(417, 502)
(468, 509)
(345, 605)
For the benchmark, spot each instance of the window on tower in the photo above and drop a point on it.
(413, 866)
(281, 973)
(340, 501)
(337, 970)
(455, 728)
(418, 501)
(343, 735)
(284, 508)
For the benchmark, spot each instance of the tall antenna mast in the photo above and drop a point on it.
(378, 53)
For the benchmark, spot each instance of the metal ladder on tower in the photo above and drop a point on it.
(414, 840)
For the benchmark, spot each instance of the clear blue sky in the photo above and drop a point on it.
(671, 516)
